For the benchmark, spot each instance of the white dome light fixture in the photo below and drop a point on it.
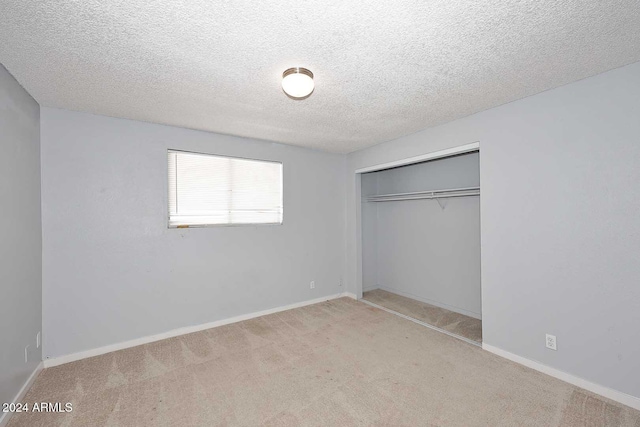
(297, 83)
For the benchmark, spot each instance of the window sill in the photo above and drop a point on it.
(184, 226)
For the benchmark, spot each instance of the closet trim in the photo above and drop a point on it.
(468, 148)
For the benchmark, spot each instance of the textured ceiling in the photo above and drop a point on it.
(382, 69)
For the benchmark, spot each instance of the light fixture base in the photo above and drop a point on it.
(297, 83)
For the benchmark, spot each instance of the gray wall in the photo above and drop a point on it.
(20, 235)
(422, 251)
(369, 234)
(559, 222)
(114, 272)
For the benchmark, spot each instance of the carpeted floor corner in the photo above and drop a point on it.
(337, 363)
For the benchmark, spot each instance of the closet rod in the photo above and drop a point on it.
(428, 192)
(433, 194)
(393, 199)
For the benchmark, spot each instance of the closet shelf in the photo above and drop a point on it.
(432, 194)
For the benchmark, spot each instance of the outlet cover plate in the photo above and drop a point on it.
(551, 342)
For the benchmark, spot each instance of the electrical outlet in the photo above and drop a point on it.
(312, 285)
(551, 342)
(38, 340)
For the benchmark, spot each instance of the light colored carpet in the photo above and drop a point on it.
(448, 320)
(337, 363)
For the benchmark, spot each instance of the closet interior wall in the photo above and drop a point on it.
(416, 248)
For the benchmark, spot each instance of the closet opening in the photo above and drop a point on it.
(420, 248)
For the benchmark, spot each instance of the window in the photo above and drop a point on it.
(215, 190)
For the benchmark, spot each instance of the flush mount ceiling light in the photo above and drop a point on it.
(297, 83)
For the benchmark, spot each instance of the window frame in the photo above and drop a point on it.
(186, 226)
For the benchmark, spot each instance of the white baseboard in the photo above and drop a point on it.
(432, 302)
(618, 396)
(350, 295)
(60, 360)
(6, 416)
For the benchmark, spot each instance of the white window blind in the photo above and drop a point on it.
(214, 190)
